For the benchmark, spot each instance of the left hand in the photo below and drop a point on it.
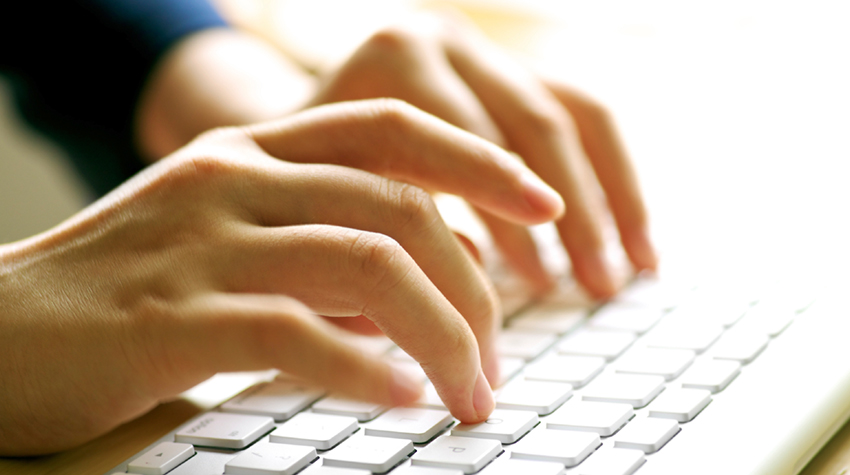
(447, 69)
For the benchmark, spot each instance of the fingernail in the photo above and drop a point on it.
(539, 196)
(403, 389)
(482, 397)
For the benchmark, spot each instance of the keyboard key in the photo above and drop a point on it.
(430, 399)
(740, 346)
(362, 411)
(317, 469)
(505, 426)
(376, 454)
(768, 318)
(612, 462)
(467, 454)
(279, 399)
(710, 308)
(712, 375)
(271, 459)
(523, 344)
(413, 470)
(508, 368)
(542, 397)
(589, 342)
(651, 292)
(223, 430)
(418, 425)
(556, 319)
(516, 466)
(635, 389)
(647, 434)
(162, 458)
(566, 447)
(684, 336)
(602, 418)
(574, 370)
(668, 364)
(680, 404)
(625, 317)
(321, 431)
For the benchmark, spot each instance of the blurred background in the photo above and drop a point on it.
(737, 113)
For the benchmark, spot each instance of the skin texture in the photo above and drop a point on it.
(218, 257)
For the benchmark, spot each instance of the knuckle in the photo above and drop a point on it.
(394, 39)
(410, 208)
(394, 115)
(543, 121)
(378, 260)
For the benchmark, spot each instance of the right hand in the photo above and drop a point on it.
(208, 261)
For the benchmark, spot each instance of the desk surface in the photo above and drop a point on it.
(732, 110)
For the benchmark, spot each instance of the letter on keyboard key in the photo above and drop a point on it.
(505, 426)
(680, 404)
(712, 375)
(625, 317)
(648, 434)
(225, 431)
(376, 454)
(600, 417)
(635, 389)
(566, 447)
(612, 462)
(516, 466)
(418, 425)
(162, 458)
(573, 370)
(460, 453)
(271, 459)
(668, 364)
(337, 406)
(321, 431)
(589, 342)
(279, 399)
(542, 397)
(523, 344)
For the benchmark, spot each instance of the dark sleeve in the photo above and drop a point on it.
(77, 68)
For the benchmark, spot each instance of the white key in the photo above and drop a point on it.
(654, 293)
(222, 430)
(668, 364)
(635, 389)
(680, 404)
(508, 368)
(550, 319)
(317, 469)
(590, 342)
(413, 470)
(467, 454)
(563, 446)
(711, 309)
(712, 375)
(362, 411)
(279, 399)
(376, 454)
(574, 370)
(740, 346)
(418, 425)
(162, 458)
(321, 431)
(768, 317)
(430, 399)
(515, 466)
(612, 462)
(625, 317)
(684, 336)
(523, 344)
(505, 426)
(647, 434)
(271, 459)
(600, 417)
(542, 397)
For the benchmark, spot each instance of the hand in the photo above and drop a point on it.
(444, 68)
(216, 258)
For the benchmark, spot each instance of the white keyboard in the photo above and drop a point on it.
(584, 391)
